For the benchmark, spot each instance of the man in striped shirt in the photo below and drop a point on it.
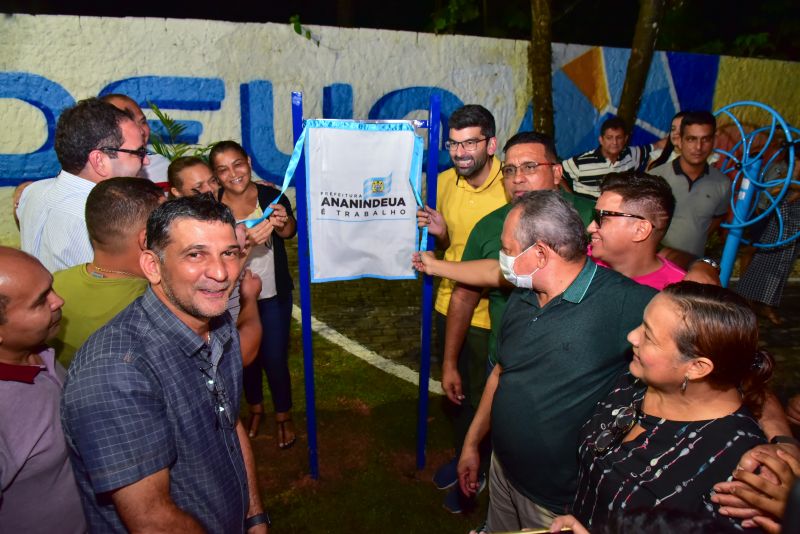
(585, 172)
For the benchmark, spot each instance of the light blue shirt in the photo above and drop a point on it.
(52, 221)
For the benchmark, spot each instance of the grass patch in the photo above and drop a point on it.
(367, 454)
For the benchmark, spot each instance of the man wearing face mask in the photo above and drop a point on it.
(561, 343)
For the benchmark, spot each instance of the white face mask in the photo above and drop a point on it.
(524, 281)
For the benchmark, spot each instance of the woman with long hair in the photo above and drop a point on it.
(250, 200)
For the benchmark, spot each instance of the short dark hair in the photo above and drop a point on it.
(198, 207)
(178, 165)
(538, 138)
(117, 207)
(645, 194)
(223, 146)
(470, 116)
(3, 307)
(613, 123)
(545, 217)
(718, 324)
(86, 126)
(698, 117)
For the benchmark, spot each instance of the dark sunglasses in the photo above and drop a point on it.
(141, 152)
(597, 216)
(612, 436)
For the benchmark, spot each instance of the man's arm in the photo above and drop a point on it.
(479, 273)
(463, 302)
(469, 462)
(678, 257)
(249, 322)
(703, 273)
(146, 506)
(256, 507)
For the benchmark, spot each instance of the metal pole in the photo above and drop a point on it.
(434, 127)
(303, 266)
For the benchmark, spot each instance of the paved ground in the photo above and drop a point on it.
(385, 317)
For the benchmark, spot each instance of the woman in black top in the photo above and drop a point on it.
(680, 419)
(267, 259)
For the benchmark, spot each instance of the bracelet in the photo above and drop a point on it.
(784, 439)
(258, 519)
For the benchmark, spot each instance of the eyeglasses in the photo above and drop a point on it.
(612, 436)
(597, 216)
(527, 169)
(222, 406)
(470, 145)
(141, 152)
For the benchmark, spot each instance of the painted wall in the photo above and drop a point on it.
(232, 80)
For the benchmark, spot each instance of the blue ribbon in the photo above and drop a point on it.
(287, 179)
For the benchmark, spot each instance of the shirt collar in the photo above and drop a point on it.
(574, 292)
(676, 166)
(27, 373)
(622, 155)
(181, 335)
(494, 174)
(72, 180)
(578, 288)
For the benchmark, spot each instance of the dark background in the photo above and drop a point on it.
(764, 28)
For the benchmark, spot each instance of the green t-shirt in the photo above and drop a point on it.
(557, 363)
(484, 243)
(89, 303)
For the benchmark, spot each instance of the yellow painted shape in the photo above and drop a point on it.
(767, 81)
(588, 73)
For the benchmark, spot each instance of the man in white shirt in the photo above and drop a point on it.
(156, 170)
(94, 142)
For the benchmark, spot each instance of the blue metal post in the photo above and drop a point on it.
(303, 266)
(427, 282)
(747, 194)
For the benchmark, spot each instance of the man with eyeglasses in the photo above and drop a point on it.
(151, 401)
(94, 141)
(465, 194)
(530, 164)
(156, 169)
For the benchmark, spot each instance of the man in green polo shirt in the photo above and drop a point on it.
(530, 164)
(561, 345)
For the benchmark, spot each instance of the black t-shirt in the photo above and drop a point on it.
(672, 464)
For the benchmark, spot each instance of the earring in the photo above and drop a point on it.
(685, 383)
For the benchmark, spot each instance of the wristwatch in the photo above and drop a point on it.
(712, 262)
(258, 519)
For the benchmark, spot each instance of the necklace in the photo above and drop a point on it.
(111, 271)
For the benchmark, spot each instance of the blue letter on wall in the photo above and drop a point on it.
(49, 98)
(258, 130)
(397, 104)
(173, 92)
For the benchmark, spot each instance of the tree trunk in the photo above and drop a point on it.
(345, 14)
(644, 42)
(540, 66)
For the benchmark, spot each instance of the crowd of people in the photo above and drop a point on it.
(613, 374)
(593, 367)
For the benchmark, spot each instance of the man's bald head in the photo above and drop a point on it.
(12, 261)
(30, 311)
(126, 103)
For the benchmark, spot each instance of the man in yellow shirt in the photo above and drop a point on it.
(466, 193)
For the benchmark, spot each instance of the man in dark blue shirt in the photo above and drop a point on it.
(151, 400)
